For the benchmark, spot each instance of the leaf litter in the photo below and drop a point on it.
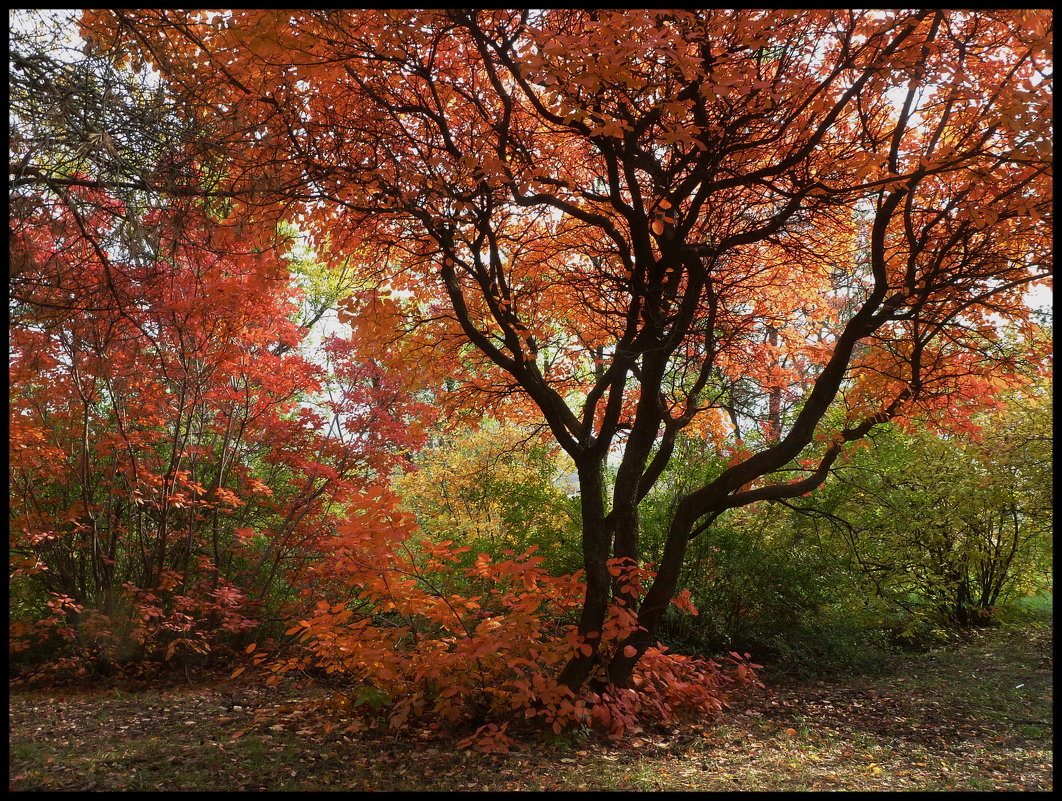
(975, 715)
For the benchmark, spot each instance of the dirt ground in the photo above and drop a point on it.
(975, 715)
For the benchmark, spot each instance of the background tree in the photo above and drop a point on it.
(949, 531)
(634, 218)
(175, 463)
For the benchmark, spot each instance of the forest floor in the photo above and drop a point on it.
(974, 715)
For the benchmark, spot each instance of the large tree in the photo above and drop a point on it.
(799, 224)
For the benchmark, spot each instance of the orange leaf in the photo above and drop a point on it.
(630, 651)
(250, 648)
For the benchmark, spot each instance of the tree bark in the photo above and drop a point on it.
(597, 542)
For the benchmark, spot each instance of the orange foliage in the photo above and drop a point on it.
(405, 643)
(789, 226)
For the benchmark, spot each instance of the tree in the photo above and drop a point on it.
(639, 223)
(951, 530)
(175, 462)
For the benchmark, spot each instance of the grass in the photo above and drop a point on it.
(973, 715)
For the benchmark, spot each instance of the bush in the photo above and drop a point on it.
(401, 648)
(768, 582)
(493, 489)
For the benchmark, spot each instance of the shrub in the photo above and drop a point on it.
(404, 649)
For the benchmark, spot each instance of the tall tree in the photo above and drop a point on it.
(648, 221)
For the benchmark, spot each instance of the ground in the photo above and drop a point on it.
(973, 715)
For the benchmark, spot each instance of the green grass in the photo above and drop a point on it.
(1032, 608)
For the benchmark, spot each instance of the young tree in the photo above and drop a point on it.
(169, 478)
(644, 222)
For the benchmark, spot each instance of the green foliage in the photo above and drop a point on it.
(495, 489)
(1033, 609)
(323, 279)
(947, 531)
(763, 580)
(913, 537)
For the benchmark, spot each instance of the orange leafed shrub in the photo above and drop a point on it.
(416, 640)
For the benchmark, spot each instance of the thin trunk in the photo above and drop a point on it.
(774, 397)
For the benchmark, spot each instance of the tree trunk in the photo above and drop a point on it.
(597, 541)
(654, 605)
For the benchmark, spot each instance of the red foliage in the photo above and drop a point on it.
(623, 225)
(174, 461)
